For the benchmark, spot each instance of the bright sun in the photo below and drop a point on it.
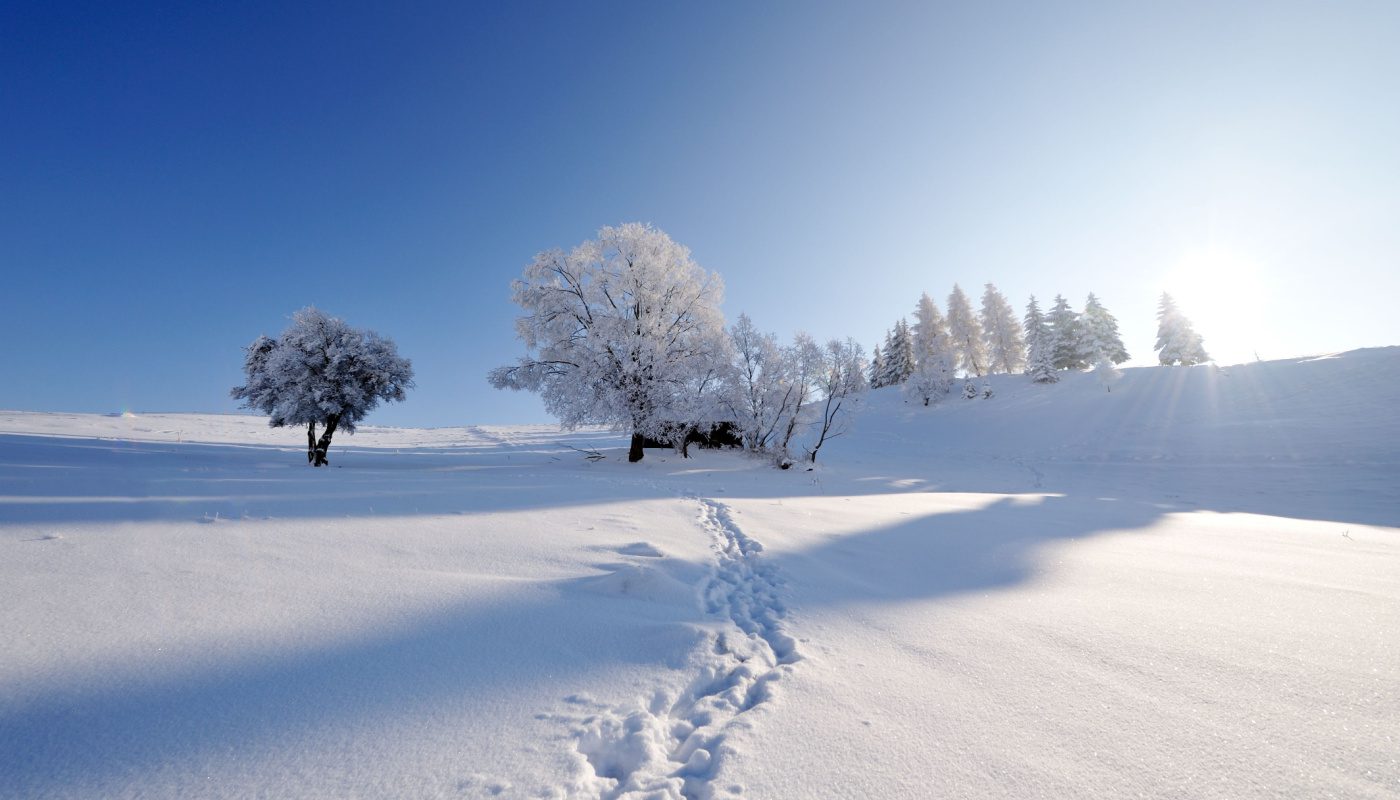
(1221, 292)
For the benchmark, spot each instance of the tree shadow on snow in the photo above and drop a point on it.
(51, 480)
(929, 556)
(293, 712)
(96, 734)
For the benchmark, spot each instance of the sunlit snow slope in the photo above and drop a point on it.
(1185, 587)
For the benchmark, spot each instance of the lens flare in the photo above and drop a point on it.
(1223, 294)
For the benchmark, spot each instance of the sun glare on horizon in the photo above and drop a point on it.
(1222, 293)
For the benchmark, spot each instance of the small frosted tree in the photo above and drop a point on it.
(1177, 340)
(806, 368)
(618, 331)
(966, 334)
(1099, 333)
(930, 382)
(321, 371)
(877, 367)
(1040, 343)
(1106, 372)
(763, 394)
(842, 383)
(1001, 331)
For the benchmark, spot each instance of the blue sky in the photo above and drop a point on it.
(176, 180)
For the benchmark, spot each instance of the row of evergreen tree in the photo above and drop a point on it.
(928, 356)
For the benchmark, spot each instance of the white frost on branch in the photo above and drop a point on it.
(623, 330)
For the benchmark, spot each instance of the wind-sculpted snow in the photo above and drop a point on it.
(675, 745)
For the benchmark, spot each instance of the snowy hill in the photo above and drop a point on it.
(1182, 588)
(1270, 436)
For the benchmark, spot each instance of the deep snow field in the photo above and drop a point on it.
(1188, 587)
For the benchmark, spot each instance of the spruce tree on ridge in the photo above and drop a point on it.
(966, 334)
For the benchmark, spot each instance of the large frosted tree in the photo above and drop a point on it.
(899, 355)
(966, 334)
(1001, 331)
(1067, 345)
(1040, 344)
(1177, 340)
(934, 360)
(1099, 334)
(931, 339)
(877, 366)
(621, 331)
(321, 371)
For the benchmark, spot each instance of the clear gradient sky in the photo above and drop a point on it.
(175, 180)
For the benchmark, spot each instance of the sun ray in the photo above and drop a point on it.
(1223, 293)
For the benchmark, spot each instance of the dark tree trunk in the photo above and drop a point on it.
(828, 420)
(324, 443)
(311, 443)
(685, 443)
(635, 454)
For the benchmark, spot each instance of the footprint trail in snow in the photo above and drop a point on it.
(674, 746)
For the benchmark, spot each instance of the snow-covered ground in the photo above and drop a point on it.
(1187, 587)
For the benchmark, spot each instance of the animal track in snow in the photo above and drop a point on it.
(674, 746)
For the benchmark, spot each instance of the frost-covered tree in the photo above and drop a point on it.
(321, 371)
(930, 329)
(1067, 348)
(703, 399)
(763, 394)
(1099, 333)
(966, 334)
(930, 382)
(806, 369)
(1177, 340)
(619, 331)
(1106, 372)
(899, 355)
(877, 366)
(1001, 331)
(933, 349)
(1040, 344)
(843, 382)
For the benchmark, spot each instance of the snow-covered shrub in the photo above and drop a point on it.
(930, 382)
(1107, 373)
